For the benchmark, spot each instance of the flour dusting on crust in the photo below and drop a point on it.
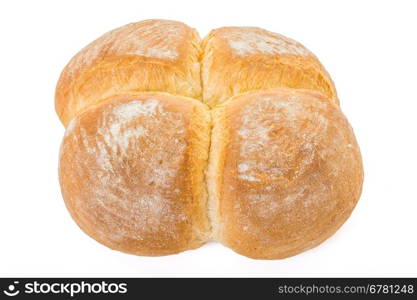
(278, 138)
(136, 108)
(132, 158)
(250, 40)
(159, 39)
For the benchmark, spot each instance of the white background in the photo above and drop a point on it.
(368, 47)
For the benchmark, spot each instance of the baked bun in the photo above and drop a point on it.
(172, 142)
(153, 55)
(132, 173)
(242, 59)
(285, 172)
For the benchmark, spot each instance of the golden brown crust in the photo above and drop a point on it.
(132, 171)
(241, 59)
(146, 168)
(152, 55)
(290, 172)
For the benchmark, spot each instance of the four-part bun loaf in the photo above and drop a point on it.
(172, 142)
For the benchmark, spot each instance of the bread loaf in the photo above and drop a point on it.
(172, 142)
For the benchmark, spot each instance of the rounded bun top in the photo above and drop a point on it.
(125, 169)
(152, 55)
(292, 171)
(242, 59)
